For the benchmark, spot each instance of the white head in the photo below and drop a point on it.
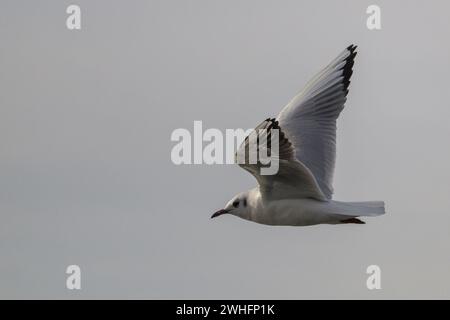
(238, 206)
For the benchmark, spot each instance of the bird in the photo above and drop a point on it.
(300, 193)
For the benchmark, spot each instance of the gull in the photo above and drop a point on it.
(300, 193)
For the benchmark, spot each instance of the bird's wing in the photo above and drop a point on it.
(292, 180)
(309, 120)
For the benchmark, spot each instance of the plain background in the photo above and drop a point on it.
(86, 176)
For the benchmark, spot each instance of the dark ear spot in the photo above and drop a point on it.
(245, 202)
(236, 203)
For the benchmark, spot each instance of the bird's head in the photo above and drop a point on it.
(237, 206)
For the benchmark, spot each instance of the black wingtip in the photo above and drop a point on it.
(348, 67)
(352, 48)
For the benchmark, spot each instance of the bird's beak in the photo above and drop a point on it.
(219, 213)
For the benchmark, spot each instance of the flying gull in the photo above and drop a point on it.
(300, 193)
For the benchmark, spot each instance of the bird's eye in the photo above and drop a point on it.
(236, 203)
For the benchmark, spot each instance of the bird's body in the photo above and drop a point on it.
(300, 192)
(305, 211)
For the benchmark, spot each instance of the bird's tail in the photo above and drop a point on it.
(359, 209)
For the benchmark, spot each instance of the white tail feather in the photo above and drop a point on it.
(358, 209)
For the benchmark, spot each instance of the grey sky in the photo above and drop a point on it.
(85, 170)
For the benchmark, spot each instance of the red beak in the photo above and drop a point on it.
(219, 213)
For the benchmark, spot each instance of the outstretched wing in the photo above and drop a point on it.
(309, 120)
(292, 180)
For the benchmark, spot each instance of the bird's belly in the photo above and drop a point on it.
(298, 212)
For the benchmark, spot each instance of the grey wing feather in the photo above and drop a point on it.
(309, 120)
(293, 179)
